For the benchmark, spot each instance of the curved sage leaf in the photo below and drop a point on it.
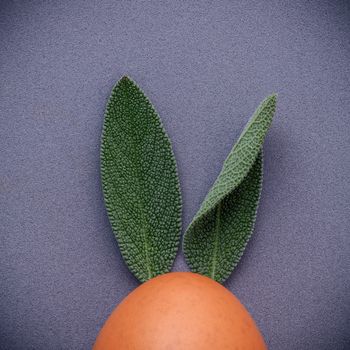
(216, 238)
(140, 182)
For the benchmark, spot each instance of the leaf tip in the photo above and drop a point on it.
(273, 97)
(125, 78)
(270, 102)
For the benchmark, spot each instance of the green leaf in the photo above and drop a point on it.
(140, 182)
(216, 238)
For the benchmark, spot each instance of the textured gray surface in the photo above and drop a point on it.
(205, 67)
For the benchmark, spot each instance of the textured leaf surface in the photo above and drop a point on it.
(218, 234)
(140, 182)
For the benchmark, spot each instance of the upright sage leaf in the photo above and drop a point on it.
(140, 182)
(216, 238)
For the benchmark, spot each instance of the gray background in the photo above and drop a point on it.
(205, 66)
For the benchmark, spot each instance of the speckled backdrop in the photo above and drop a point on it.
(205, 66)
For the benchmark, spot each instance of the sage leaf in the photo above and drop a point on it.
(218, 234)
(140, 182)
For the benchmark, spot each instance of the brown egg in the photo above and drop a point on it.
(180, 311)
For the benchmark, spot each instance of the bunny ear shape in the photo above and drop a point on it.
(219, 232)
(140, 182)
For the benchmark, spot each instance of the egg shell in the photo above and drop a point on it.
(182, 311)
